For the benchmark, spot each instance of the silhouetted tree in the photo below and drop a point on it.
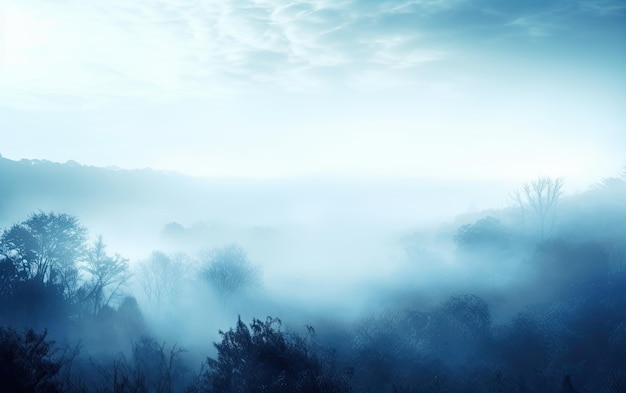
(162, 278)
(46, 247)
(36, 304)
(541, 196)
(10, 277)
(263, 358)
(27, 301)
(227, 270)
(27, 362)
(107, 275)
(487, 233)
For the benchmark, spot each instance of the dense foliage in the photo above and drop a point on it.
(28, 363)
(554, 316)
(262, 358)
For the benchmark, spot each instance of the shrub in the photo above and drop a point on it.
(263, 358)
(27, 362)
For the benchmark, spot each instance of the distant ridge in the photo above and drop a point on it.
(30, 184)
(165, 196)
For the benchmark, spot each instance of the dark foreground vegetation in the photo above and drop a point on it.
(543, 310)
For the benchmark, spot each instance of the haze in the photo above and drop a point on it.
(429, 194)
(439, 89)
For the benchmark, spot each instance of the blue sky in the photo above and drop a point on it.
(270, 88)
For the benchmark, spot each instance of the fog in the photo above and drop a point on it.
(340, 231)
(312, 196)
(353, 260)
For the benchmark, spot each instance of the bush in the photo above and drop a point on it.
(27, 362)
(263, 358)
(458, 329)
(487, 234)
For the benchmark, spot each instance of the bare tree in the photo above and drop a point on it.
(517, 197)
(162, 277)
(540, 196)
(227, 270)
(108, 274)
(152, 367)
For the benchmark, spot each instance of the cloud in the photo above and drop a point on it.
(534, 26)
(603, 7)
(170, 48)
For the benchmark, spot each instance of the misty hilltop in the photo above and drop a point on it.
(523, 298)
(77, 188)
(312, 196)
(94, 193)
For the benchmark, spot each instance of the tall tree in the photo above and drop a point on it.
(162, 278)
(28, 362)
(540, 196)
(227, 270)
(107, 275)
(47, 247)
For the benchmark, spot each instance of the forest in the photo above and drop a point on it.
(526, 298)
(313, 196)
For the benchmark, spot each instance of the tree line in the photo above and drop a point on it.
(48, 266)
(571, 337)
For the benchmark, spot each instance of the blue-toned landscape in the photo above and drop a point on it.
(313, 196)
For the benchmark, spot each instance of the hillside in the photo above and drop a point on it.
(109, 194)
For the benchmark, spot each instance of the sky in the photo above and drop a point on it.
(451, 89)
